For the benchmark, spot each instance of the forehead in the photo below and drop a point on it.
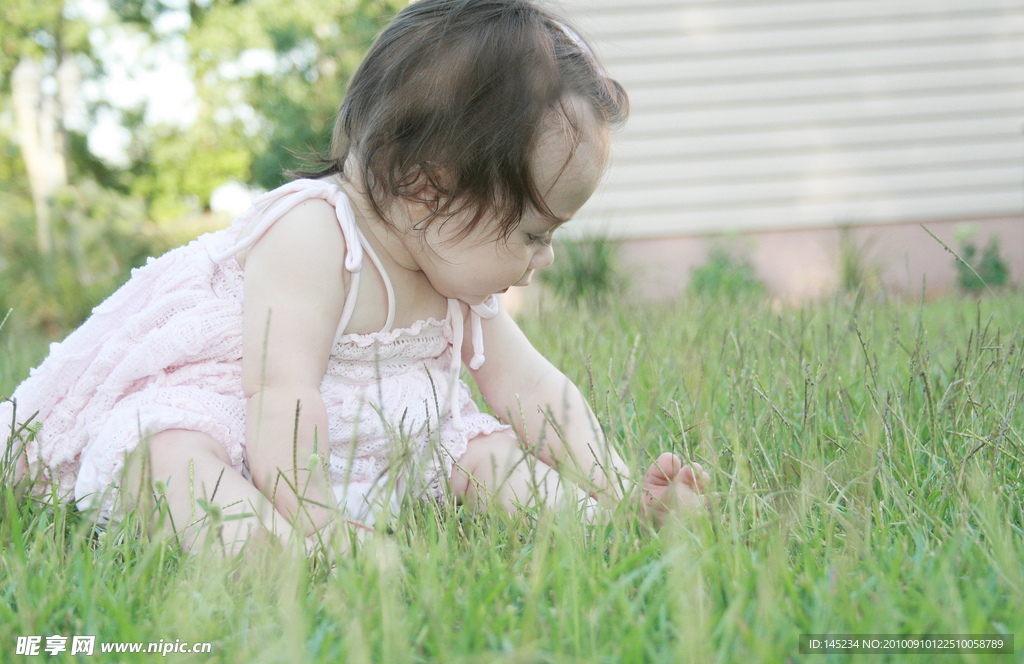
(569, 161)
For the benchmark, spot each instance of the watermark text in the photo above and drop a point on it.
(31, 646)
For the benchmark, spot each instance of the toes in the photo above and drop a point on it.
(669, 468)
(697, 477)
(693, 476)
(664, 470)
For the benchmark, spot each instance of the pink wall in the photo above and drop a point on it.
(801, 264)
(804, 264)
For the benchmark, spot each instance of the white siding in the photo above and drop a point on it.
(757, 114)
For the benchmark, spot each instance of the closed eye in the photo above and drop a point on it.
(545, 239)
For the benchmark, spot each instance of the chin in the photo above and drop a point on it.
(472, 300)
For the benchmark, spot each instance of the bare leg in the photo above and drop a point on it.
(204, 496)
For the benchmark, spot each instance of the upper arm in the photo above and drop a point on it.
(513, 367)
(294, 295)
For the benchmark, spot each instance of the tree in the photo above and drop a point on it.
(269, 76)
(39, 45)
(68, 231)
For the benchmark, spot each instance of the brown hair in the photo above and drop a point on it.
(456, 91)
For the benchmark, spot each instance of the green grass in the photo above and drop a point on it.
(868, 458)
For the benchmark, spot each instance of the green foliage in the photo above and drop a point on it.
(177, 170)
(84, 165)
(725, 276)
(138, 12)
(314, 48)
(99, 236)
(857, 272)
(585, 272)
(975, 274)
(34, 28)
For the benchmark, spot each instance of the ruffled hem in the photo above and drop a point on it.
(175, 327)
(386, 337)
(149, 412)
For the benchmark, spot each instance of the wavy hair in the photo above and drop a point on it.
(455, 93)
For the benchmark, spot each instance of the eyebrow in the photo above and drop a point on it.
(553, 221)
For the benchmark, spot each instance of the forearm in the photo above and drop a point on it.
(288, 450)
(559, 427)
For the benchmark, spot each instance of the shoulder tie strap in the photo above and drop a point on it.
(486, 309)
(275, 204)
(389, 289)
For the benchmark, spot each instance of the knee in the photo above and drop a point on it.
(182, 444)
(172, 452)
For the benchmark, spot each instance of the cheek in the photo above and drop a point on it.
(509, 257)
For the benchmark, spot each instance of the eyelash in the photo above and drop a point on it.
(546, 240)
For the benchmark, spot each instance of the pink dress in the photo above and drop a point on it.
(165, 352)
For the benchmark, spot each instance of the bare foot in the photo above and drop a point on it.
(669, 487)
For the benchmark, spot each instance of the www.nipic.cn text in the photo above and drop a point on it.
(87, 645)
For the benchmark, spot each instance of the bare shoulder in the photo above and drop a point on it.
(310, 229)
(295, 284)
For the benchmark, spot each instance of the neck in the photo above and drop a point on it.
(391, 237)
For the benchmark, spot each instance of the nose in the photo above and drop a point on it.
(543, 257)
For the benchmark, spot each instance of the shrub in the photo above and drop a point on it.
(98, 236)
(857, 271)
(975, 274)
(585, 272)
(725, 275)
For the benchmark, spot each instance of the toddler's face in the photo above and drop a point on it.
(474, 267)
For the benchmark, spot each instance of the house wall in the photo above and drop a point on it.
(775, 116)
(803, 264)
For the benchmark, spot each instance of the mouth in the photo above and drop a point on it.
(525, 280)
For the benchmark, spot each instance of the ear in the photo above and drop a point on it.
(426, 193)
(426, 187)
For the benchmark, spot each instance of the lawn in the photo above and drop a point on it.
(867, 459)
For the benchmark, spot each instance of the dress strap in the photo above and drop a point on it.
(486, 309)
(275, 204)
(388, 287)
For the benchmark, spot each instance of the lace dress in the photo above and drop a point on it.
(165, 352)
